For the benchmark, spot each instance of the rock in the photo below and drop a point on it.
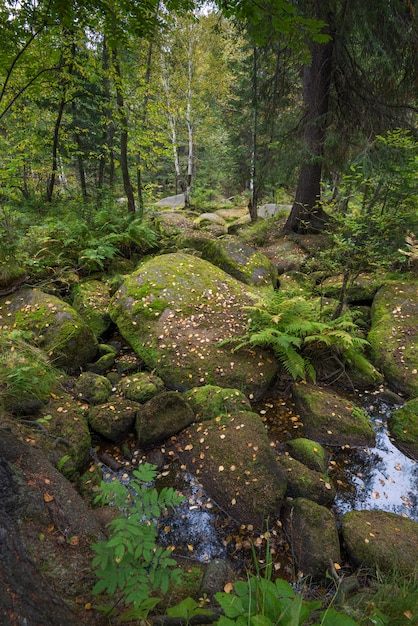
(91, 301)
(57, 327)
(210, 401)
(403, 426)
(161, 417)
(216, 575)
(41, 513)
(140, 387)
(65, 423)
(303, 482)
(381, 539)
(236, 466)
(113, 420)
(174, 311)
(234, 257)
(331, 419)
(310, 453)
(393, 335)
(313, 534)
(93, 388)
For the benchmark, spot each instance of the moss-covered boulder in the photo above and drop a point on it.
(161, 417)
(210, 401)
(303, 482)
(57, 328)
(381, 539)
(113, 420)
(310, 453)
(68, 441)
(93, 388)
(140, 387)
(331, 419)
(403, 426)
(235, 257)
(313, 534)
(91, 299)
(393, 335)
(233, 460)
(174, 311)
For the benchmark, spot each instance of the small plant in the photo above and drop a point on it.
(130, 563)
(295, 330)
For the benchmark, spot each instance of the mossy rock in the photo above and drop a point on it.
(68, 434)
(312, 531)
(303, 482)
(161, 417)
(393, 335)
(236, 258)
(57, 328)
(310, 453)
(91, 300)
(403, 426)
(93, 388)
(210, 401)
(140, 387)
(330, 419)
(113, 420)
(175, 310)
(233, 459)
(378, 539)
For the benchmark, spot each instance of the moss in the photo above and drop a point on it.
(211, 401)
(403, 426)
(393, 335)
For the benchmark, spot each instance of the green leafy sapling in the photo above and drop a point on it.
(131, 563)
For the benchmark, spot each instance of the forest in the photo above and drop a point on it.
(208, 233)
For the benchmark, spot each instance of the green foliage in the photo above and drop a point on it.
(25, 371)
(298, 331)
(260, 601)
(130, 562)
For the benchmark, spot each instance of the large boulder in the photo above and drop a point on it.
(91, 301)
(57, 328)
(313, 534)
(403, 426)
(393, 335)
(175, 310)
(331, 419)
(237, 467)
(381, 539)
(234, 257)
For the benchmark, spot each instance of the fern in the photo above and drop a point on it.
(295, 330)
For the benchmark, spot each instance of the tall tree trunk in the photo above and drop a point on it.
(127, 185)
(254, 186)
(307, 215)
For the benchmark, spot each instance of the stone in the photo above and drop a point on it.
(403, 426)
(313, 534)
(161, 417)
(113, 420)
(393, 335)
(175, 310)
(330, 419)
(140, 387)
(57, 328)
(237, 467)
(303, 482)
(93, 388)
(381, 539)
(210, 401)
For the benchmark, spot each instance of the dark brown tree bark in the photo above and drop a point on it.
(307, 215)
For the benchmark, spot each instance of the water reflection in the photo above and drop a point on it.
(377, 478)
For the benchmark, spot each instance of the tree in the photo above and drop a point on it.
(361, 82)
